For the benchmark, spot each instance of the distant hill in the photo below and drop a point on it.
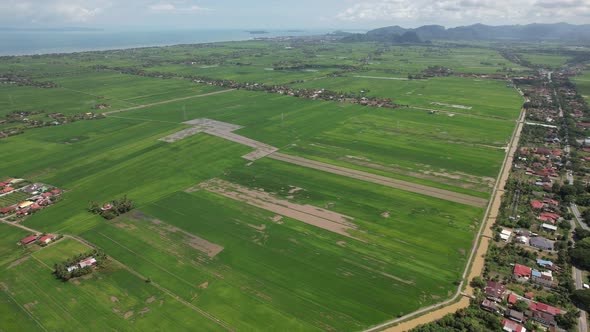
(529, 32)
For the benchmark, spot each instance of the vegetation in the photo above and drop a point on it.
(71, 269)
(112, 209)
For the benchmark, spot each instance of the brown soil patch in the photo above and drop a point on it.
(75, 282)
(341, 243)
(144, 311)
(128, 314)
(30, 305)
(204, 285)
(114, 299)
(150, 300)
(277, 219)
(115, 310)
(312, 215)
(259, 228)
(385, 215)
(294, 189)
(382, 180)
(17, 262)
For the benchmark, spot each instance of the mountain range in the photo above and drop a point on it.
(529, 32)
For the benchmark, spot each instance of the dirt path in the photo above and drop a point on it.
(382, 180)
(477, 256)
(312, 215)
(167, 101)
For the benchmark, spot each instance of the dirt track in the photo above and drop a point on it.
(478, 256)
(166, 102)
(312, 215)
(382, 180)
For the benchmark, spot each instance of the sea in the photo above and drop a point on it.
(27, 42)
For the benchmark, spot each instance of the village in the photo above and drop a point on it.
(528, 277)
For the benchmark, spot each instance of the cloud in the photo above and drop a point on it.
(464, 11)
(169, 7)
(49, 11)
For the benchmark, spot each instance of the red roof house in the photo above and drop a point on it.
(7, 209)
(29, 239)
(46, 195)
(494, 290)
(36, 207)
(510, 326)
(521, 272)
(538, 306)
(7, 190)
(529, 295)
(56, 191)
(551, 201)
(46, 239)
(537, 204)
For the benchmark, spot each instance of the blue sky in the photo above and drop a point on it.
(266, 14)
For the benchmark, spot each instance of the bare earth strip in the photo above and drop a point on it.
(477, 256)
(166, 102)
(383, 78)
(382, 180)
(312, 215)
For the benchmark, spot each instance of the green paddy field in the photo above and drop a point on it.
(267, 272)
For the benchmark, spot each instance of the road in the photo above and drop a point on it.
(167, 102)
(577, 274)
(578, 215)
(475, 262)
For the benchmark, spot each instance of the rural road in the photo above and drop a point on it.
(578, 278)
(167, 101)
(477, 255)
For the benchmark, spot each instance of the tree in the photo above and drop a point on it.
(568, 320)
(521, 306)
(581, 297)
(478, 282)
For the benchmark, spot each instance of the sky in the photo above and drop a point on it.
(302, 14)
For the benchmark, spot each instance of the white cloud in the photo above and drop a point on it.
(461, 11)
(48, 11)
(169, 7)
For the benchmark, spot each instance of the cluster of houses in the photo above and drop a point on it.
(526, 237)
(522, 273)
(41, 197)
(495, 293)
(87, 262)
(9, 185)
(41, 240)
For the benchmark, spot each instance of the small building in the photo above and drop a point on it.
(90, 261)
(46, 239)
(549, 228)
(541, 243)
(510, 326)
(24, 205)
(505, 235)
(522, 239)
(8, 209)
(29, 239)
(537, 204)
(521, 272)
(545, 264)
(490, 306)
(495, 291)
(515, 315)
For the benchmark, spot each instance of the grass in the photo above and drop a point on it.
(583, 84)
(290, 276)
(491, 98)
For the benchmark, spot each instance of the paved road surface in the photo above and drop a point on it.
(577, 273)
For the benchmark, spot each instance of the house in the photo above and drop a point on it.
(510, 326)
(529, 295)
(549, 216)
(490, 306)
(7, 190)
(29, 239)
(56, 191)
(8, 209)
(542, 278)
(90, 261)
(522, 239)
(549, 228)
(543, 313)
(495, 291)
(46, 195)
(545, 264)
(551, 202)
(541, 243)
(106, 207)
(36, 207)
(515, 315)
(521, 272)
(24, 205)
(46, 239)
(505, 235)
(537, 204)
